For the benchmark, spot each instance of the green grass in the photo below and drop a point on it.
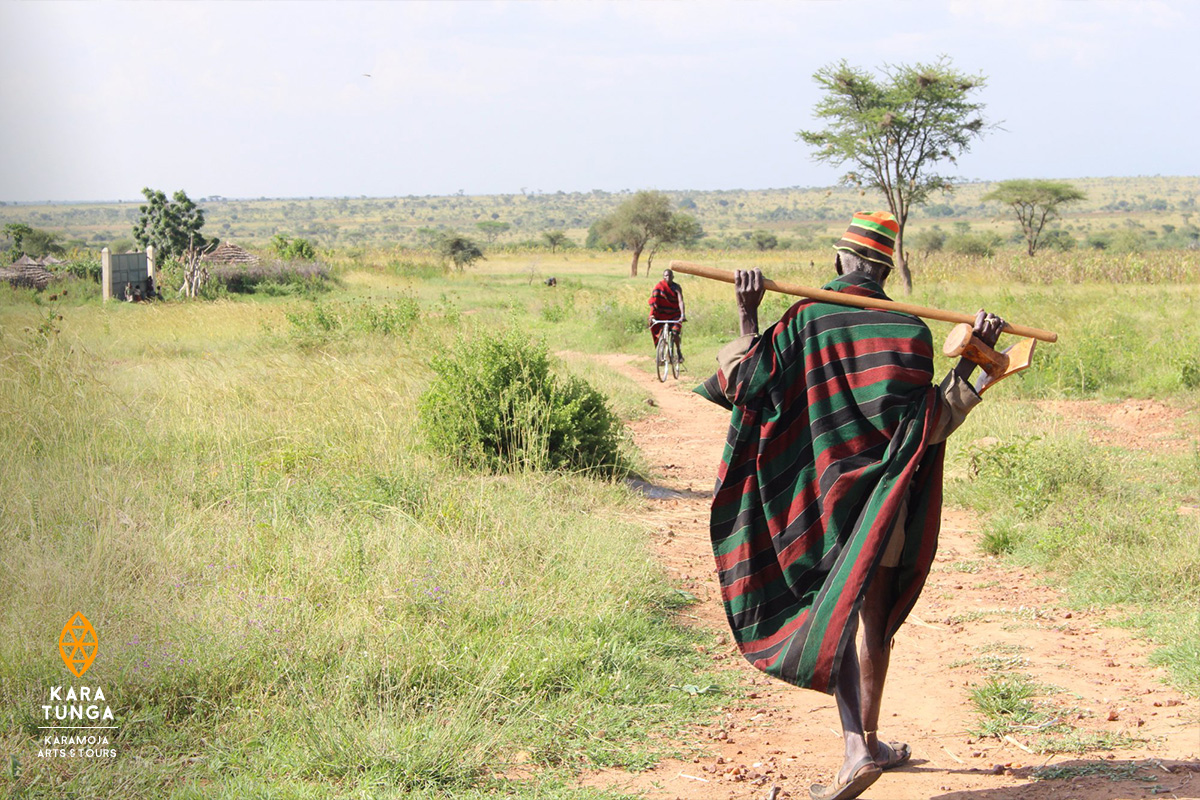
(291, 591)
(1094, 769)
(297, 597)
(1010, 704)
(1106, 520)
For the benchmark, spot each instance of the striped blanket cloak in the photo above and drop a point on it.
(832, 413)
(665, 304)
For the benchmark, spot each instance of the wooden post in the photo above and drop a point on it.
(106, 274)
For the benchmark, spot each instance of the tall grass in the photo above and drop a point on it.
(291, 592)
(296, 596)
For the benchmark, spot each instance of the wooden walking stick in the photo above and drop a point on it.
(960, 342)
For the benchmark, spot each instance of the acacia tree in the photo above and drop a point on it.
(894, 130)
(492, 229)
(681, 229)
(555, 239)
(1035, 203)
(172, 226)
(636, 222)
(459, 249)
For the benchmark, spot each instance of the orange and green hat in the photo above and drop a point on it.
(871, 236)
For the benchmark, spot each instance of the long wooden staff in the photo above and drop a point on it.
(826, 296)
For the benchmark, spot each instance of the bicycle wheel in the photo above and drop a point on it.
(660, 357)
(675, 356)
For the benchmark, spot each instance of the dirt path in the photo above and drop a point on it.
(974, 613)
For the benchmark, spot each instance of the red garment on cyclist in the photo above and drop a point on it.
(666, 302)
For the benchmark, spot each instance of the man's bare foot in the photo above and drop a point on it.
(889, 755)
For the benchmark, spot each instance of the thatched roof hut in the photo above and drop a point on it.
(230, 253)
(26, 271)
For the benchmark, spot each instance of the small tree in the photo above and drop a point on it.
(17, 231)
(556, 239)
(460, 250)
(172, 226)
(293, 249)
(764, 240)
(1035, 203)
(894, 131)
(37, 243)
(1057, 239)
(637, 221)
(930, 240)
(492, 229)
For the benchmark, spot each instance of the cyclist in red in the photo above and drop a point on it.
(666, 303)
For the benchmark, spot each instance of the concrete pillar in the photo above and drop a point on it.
(150, 262)
(106, 274)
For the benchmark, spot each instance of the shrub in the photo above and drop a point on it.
(459, 250)
(974, 244)
(495, 405)
(930, 240)
(1057, 239)
(293, 249)
(1189, 372)
(84, 268)
(561, 309)
(619, 322)
(764, 240)
(1128, 241)
(276, 278)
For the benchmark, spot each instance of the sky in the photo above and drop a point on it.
(275, 99)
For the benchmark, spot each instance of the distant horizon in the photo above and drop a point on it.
(795, 187)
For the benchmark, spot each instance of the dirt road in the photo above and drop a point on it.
(977, 617)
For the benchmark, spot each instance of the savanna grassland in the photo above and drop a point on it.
(298, 594)
(1140, 213)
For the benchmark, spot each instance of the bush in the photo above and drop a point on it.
(495, 405)
(930, 240)
(764, 240)
(974, 244)
(1057, 239)
(1128, 241)
(459, 250)
(84, 268)
(275, 278)
(618, 322)
(293, 249)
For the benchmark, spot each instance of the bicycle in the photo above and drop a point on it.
(666, 355)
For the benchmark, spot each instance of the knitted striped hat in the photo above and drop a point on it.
(871, 236)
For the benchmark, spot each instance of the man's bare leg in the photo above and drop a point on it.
(850, 709)
(877, 605)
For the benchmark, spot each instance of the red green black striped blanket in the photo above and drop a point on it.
(831, 418)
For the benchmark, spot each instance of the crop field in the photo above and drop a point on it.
(298, 595)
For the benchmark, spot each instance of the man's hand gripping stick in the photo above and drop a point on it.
(963, 342)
